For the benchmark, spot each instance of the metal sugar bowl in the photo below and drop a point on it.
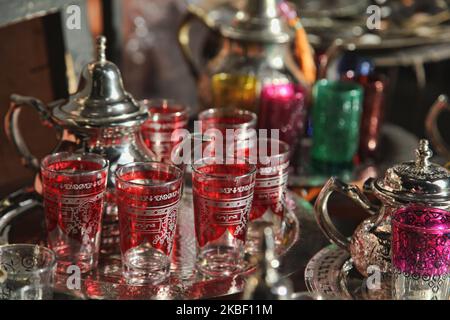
(418, 182)
(101, 117)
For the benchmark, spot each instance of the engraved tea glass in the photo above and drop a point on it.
(421, 253)
(233, 128)
(74, 187)
(26, 266)
(269, 203)
(336, 117)
(148, 196)
(223, 196)
(165, 116)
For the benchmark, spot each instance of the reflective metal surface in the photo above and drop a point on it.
(302, 240)
(418, 181)
(249, 48)
(258, 21)
(266, 283)
(215, 12)
(100, 118)
(14, 205)
(328, 20)
(221, 12)
(101, 100)
(331, 273)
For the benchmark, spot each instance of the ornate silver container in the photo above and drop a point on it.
(419, 182)
(248, 49)
(101, 117)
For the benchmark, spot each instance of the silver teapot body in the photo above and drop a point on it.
(416, 182)
(101, 117)
(368, 245)
(119, 144)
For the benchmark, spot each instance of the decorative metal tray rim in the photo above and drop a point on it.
(107, 281)
(331, 273)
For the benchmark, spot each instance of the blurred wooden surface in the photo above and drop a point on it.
(40, 56)
(25, 69)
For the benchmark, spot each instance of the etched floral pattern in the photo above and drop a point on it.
(421, 252)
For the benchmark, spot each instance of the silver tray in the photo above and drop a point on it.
(185, 282)
(331, 273)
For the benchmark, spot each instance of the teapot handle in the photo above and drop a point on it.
(432, 129)
(13, 131)
(184, 40)
(321, 209)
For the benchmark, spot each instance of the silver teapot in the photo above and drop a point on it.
(250, 47)
(414, 182)
(101, 117)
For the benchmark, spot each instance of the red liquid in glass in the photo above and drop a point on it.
(158, 129)
(283, 107)
(74, 203)
(221, 204)
(241, 139)
(223, 122)
(270, 190)
(148, 215)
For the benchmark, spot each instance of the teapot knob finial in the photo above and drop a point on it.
(101, 48)
(423, 154)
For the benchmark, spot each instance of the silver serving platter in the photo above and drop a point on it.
(331, 273)
(327, 20)
(216, 12)
(106, 282)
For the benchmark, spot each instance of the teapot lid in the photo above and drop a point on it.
(417, 181)
(101, 100)
(258, 21)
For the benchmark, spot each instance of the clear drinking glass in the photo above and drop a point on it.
(74, 187)
(165, 116)
(269, 197)
(223, 195)
(26, 266)
(148, 197)
(421, 254)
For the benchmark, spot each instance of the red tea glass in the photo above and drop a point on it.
(223, 196)
(269, 203)
(283, 107)
(74, 188)
(374, 104)
(148, 196)
(165, 116)
(237, 129)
